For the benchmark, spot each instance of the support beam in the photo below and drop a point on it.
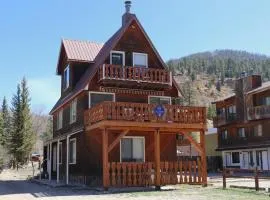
(117, 140)
(57, 170)
(203, 158)
(105, 159)
(197, 146)
(50, 163)
(67, 163)
(157, 159)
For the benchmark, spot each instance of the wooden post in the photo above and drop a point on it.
(224, 178)
(105, 159)
(256, 179)
(203, 158)
(157, 159)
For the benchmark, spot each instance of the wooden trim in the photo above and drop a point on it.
(115, 142)
(105, 159)
(131, 91)
(203, 158)
(157, 159)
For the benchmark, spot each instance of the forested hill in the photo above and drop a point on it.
(222, 64)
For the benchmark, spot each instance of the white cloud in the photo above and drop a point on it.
(44, 92)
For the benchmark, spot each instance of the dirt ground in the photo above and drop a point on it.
(14, 186)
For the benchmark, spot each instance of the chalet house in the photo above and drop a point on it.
(117, 120)
(243, 122)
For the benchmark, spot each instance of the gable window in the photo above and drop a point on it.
(140, 59)
(224, 134)
(258, 130)
(159, 100)
(98, 97)
(241, 132)
(66, 77)
(72, 151)
(117, 58)
(73, 111)
(60, 153)
(235, 157)
(60, 119)
(132, 149)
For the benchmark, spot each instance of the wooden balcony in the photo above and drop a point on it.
(122, 113)
(221, 120)
(134, 76)
(258, 112)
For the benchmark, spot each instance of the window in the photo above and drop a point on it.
(258, 130)
(224, 134)
(73, 111)
(98, 97)
(132, 149)
(235, 157)
(231, 112)
(60, 119)
(60, 153)
(159, 100)
(117, 58)
(267, 101)
(241, 132)
(140, 59)
(72, 151)
(66, 78)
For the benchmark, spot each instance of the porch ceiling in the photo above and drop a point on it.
(146, 126)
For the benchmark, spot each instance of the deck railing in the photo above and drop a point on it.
(143, 112)
(258, 112)
(143, 174)
(223, 119)
(140, 74)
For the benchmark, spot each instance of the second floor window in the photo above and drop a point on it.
(159, 100)
(117, 58)
(73, 111)
(60, 119)
(241, 132)
(258, 130)
(224, 134)
(66, 78)
(140, 59)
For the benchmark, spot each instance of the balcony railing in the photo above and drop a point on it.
(221, 120)
(258, 112)
(139, 74)
(142, 112)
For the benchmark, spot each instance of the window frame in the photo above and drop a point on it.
(75, 159)
(256, 130)
(73, 105)
(142, 137)
(235, 163)
(238, 133)
(59, 116)
(223, 134)
(60, 152)
(94, 92)
(137, 53)
(66, 84)
(119, 52)
(149, 96)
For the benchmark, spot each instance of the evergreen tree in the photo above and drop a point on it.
(6, 123)
(211, 112)
(48, 134)
(188, 93)
(28, 134)
(1, 130)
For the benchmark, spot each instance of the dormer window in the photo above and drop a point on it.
(117, 58)
(140, 59)
(66, 78)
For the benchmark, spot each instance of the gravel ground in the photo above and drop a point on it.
(14, 186)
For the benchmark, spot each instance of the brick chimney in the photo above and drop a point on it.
(127, 15)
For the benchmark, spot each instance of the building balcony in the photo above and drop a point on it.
(143, 115)
(221, 120)
(258, 112)
(134, 76)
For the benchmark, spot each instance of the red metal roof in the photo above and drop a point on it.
(77, 50)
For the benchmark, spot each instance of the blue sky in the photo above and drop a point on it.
(31, 32)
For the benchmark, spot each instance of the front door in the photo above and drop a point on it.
(245, 161)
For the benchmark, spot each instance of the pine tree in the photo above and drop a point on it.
(28, 134)
(16, 134)
(1, 130)
(6, 123)
(48, 134)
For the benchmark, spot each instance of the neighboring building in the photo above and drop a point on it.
(243, 122)
(117, 119)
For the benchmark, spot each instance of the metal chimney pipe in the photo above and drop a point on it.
(128, 6)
